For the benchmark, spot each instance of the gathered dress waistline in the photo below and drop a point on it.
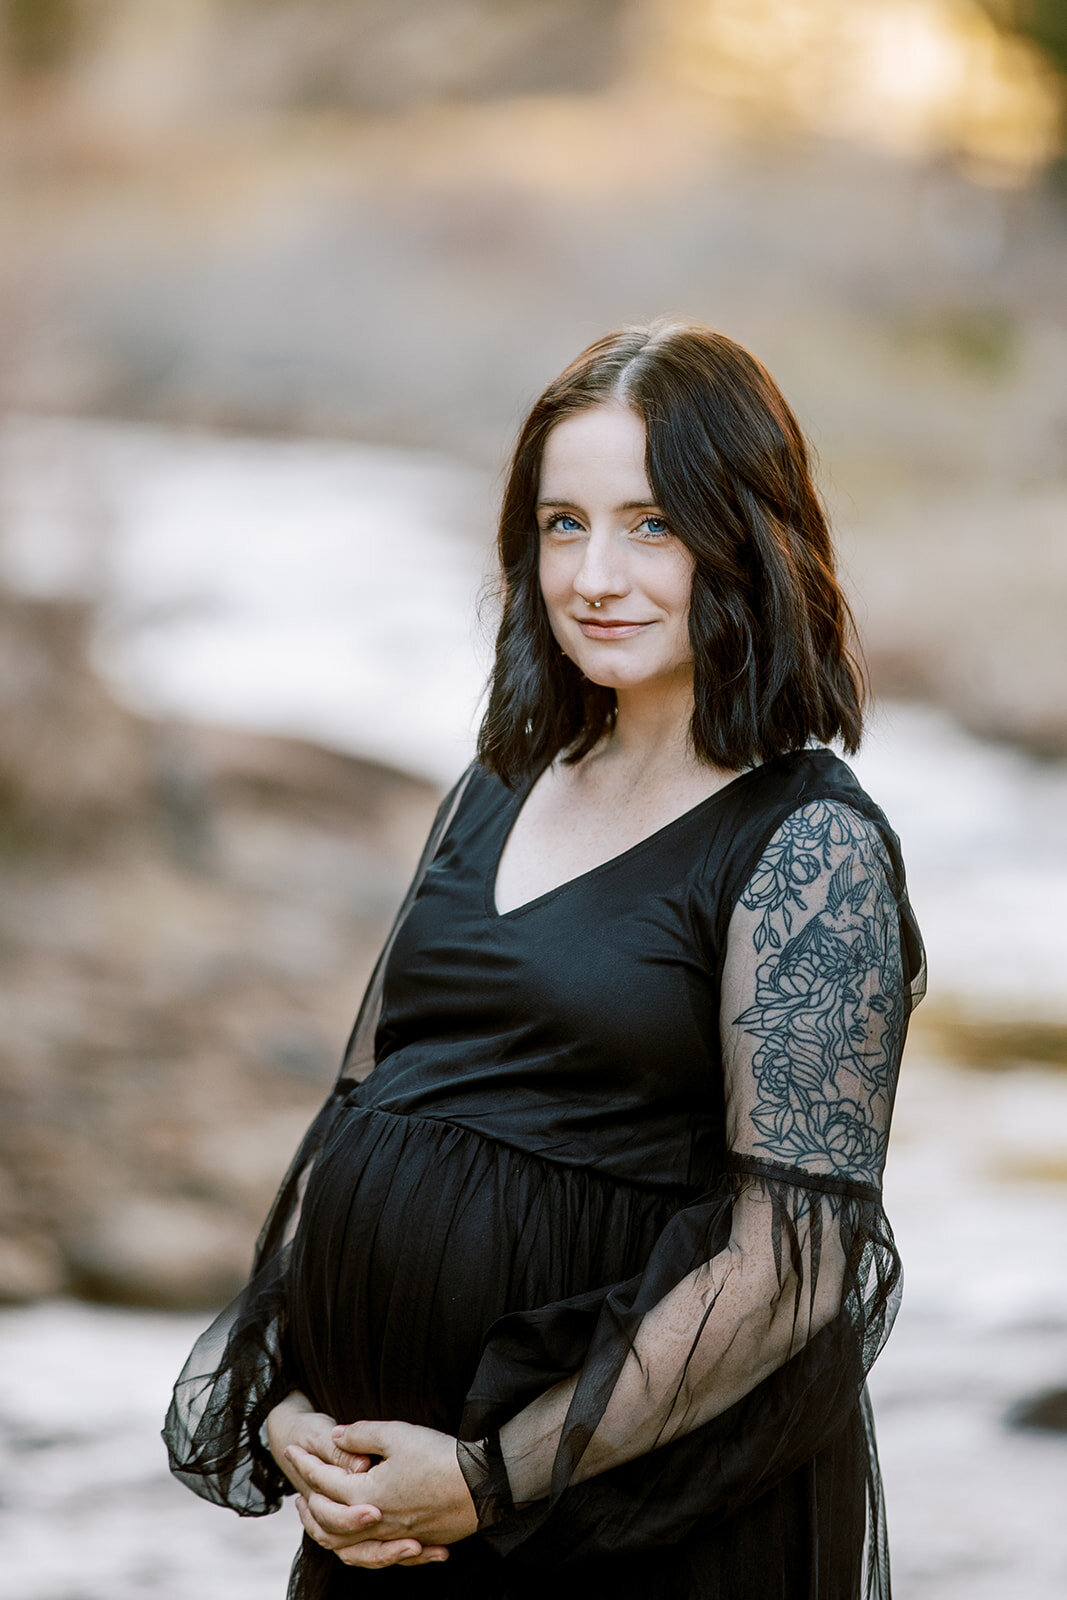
(684, 1192)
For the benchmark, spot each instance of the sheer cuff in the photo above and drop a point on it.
(482, 1465)
(800, 1177)
(234, 1377)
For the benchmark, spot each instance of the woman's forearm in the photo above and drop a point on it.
(714, 1337)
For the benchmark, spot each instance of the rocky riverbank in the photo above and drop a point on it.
(187, 919)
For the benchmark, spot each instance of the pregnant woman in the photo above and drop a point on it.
(574, 1283)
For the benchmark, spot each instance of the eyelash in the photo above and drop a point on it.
(553, 525)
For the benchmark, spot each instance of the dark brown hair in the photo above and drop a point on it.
(771, 632)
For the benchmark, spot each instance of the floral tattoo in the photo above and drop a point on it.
(829, 1008)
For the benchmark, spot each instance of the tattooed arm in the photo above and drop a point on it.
(775, 1291)
(814, 1006)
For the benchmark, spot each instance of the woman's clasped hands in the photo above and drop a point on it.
(404, 1510)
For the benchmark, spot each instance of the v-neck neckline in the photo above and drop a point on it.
(512, 813)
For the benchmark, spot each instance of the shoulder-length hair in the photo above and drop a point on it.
(774, 662)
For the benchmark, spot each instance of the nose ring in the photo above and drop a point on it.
(594, 603)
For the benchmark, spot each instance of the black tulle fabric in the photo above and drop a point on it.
(607, 1208)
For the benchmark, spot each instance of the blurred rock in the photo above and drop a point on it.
(1046, 1411)
(962, 601)
(71, 760)
(159, 1252)
(30, 1269)
(187, 919)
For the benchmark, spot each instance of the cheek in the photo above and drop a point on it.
(553, 577)
(678, 583)
(550, 597)
(677, 592)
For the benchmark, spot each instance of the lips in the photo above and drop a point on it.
(609, 628)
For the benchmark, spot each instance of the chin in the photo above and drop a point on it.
(606, 679)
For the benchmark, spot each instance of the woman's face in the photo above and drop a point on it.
(603, 538)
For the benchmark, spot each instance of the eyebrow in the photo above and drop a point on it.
(627, 505)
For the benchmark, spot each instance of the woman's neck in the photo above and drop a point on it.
(651, 732)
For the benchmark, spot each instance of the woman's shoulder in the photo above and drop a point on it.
(799, 779)
(474, 799)
(801, 792)
(484, 788)
(818, 815)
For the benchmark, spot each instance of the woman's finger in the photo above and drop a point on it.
(312, 1528)
(382, 1553)
(318, 1440)
(334, 1482)
(330, 1532)
(344, 1522)
(363, 1438)
(430, 1553)
(368, 1553)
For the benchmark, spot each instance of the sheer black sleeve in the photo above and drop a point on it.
(237, 1371)
(623, 1419)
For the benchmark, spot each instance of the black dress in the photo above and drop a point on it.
(628, 1136)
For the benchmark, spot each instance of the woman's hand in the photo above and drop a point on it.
(415, 1495)
(295, 1424)
(294, 1420)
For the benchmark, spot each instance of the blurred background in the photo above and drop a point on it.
(278, 279)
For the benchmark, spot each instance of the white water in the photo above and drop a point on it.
(313, 588)
(328, 590)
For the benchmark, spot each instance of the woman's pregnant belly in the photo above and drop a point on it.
(417, 1235)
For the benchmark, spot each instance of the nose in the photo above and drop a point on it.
(602, 574)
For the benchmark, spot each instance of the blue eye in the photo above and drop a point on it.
(563, 522)
(655, 527)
